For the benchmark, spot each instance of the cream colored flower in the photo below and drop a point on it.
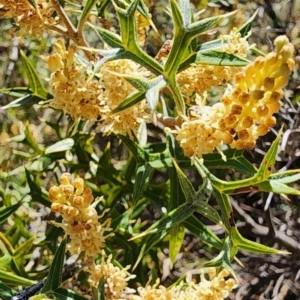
(70, 86)
(115, 279)
(80, 221)
(216, 288)
(246, 110)
(116, 89)
(30, 20)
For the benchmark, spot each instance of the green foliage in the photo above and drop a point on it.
(182, 202)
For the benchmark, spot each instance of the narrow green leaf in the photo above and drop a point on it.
(134, 148)
(172, 218)
(176, 240)
(35, 82)
(201, 26)
(220, 58)
(101, 6)
(85, 13)
(142, 178)
(127, 25)
(148, 244)
(65, 294)
(181, 13)
(243, 244)
(54, 278)
(186, 185)
(194, 225)
(224, 258)
(225, 206)
(131, 100)
(288, 176)
(99, 293)
(60, 146)
(27, 100)
(268, 162)
(12, 279)
(246, 28)
(111, 39)
(277, 187)
(8, 211)
(35, 191)
(199, 199)
(24, 248)
(16, 92)
(6, 293)
(234, 160)
(152, 94)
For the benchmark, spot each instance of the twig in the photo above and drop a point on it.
(71, 31)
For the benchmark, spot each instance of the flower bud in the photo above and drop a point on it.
(65, 178)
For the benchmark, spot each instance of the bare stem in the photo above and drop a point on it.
(71, 31)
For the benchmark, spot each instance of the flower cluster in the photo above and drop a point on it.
(116, 89)
(246, 109)
(216, 288)
(80, 96)
(30, 20)
(199, 78)
(71, 90)
(115, 279)
(80, 221)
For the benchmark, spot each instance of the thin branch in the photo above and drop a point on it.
(71, 32)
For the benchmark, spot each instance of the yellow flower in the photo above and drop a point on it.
(80, 221)
(69, 85)
(199, 78)
(246, 109)
(115, 279)
(30, 20)
(216, 288)
(116, 89)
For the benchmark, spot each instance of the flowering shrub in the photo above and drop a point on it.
(192, 105)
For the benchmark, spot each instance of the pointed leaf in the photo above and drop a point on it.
(142, 178)
(35, 82)
(246, 28)
(111, 39)
(219, 58)
(7, 211)
(6, 293)
(10, 278)
(85, 13)
(127, 25)
(243, 244)
(32, 2)
(288, 176)
(35, 191)
(176, 239)
(277, 187)
(201, 26)
(24, 248)
(172, 218)
(60, 146)
(27, 100)
(224, 258)
(268, 162)
(148, 244)
(129, 101)
(54, 278)
(181, 15)
(194, 225)
(234, 160)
